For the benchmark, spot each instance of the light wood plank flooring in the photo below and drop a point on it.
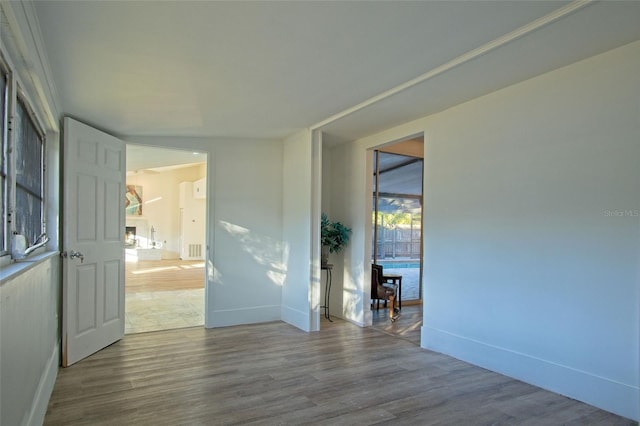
(163, 275)
(407, 326)
(163, 310)
(273, 373)
(163, 294)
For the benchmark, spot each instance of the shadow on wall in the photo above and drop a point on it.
(264, 250)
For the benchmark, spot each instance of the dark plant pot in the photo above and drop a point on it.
(324, 255)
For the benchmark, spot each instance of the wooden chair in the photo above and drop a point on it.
(381, 290)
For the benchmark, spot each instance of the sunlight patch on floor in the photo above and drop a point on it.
(163, 310)
(152, 270)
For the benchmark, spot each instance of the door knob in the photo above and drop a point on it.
(73, 255)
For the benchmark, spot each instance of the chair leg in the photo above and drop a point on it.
(394, 313)
(392, 299)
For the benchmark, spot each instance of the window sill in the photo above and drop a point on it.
(16, 268)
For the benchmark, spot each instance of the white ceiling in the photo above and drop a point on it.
(268, 69)
(145, 159)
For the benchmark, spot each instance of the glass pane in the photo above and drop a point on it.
(398, 232)
(28, 217)
(397, 219)
(28, 153)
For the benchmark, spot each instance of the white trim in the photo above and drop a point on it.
(13, 269)
(296, 318)
(251, 315)
(466, 57)
(316, 211)
(358, 323)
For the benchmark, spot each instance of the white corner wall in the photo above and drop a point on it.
(259, 221)
(532, 231)
(345, 176)
(296, 232)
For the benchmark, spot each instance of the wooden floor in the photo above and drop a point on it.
(273, 373)
(407, 326)
(163, 275)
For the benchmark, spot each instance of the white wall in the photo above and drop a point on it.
(30, 290)
(296, 235)
(344, 176)
(161, 206)
(532, 230)
(526, 270)
(246, 206)
(29, 341)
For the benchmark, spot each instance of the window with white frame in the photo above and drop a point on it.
(21, 168)
(29, 153)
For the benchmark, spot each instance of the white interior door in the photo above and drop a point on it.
(93, 240)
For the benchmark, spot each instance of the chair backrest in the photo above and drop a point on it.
(376, 280)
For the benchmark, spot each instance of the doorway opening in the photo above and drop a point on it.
(165, 238)
(397, 209)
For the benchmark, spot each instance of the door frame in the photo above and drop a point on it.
(180, 213)
(202, 146)
(375, 180)
(368, 220)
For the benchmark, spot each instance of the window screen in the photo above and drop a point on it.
(29, 193)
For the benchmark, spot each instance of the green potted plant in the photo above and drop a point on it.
(334, 236)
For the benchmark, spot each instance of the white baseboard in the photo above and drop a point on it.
(368, 317)
(45, 388)
(296, 318)
(252, 315)
(609, 395)
(355, 322)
